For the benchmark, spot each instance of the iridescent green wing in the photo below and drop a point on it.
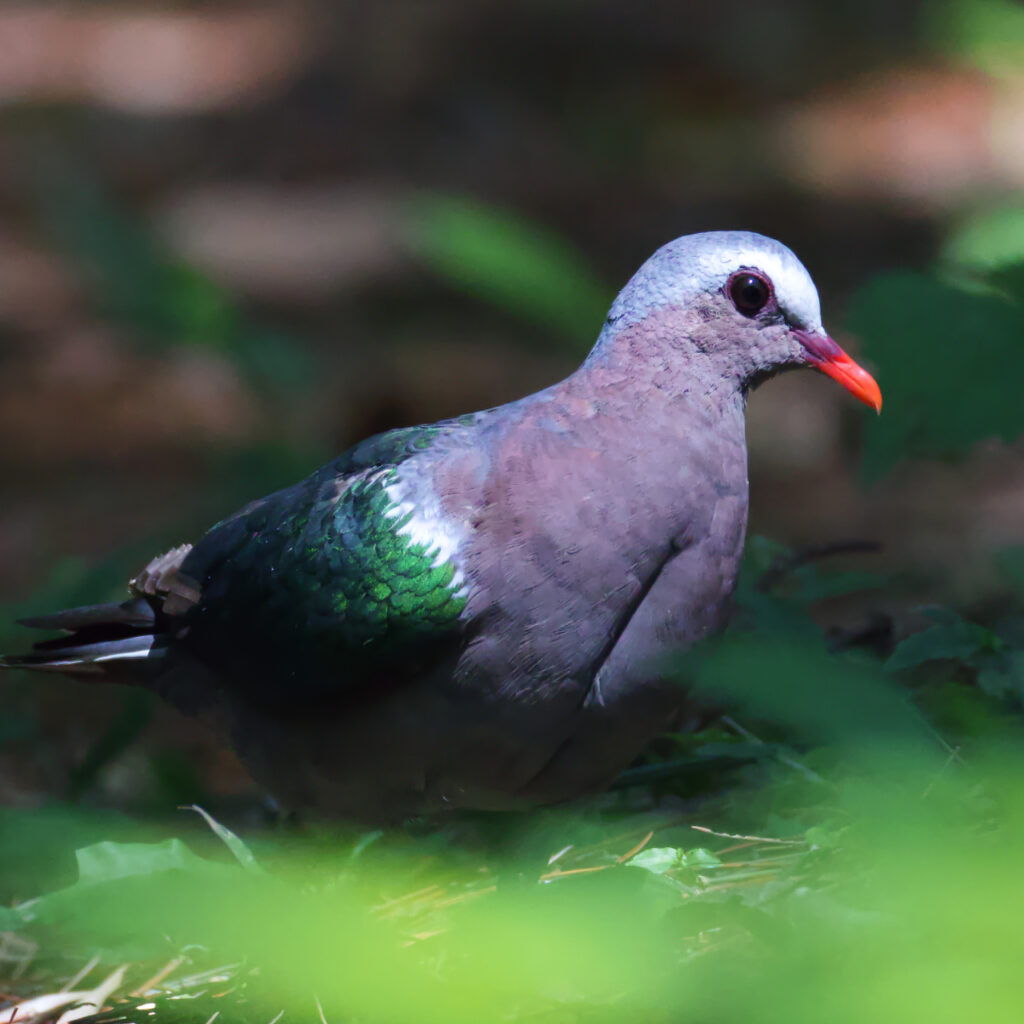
(319, 590)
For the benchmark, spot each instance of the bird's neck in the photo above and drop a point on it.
(662, 367)
(650, 424)
(674, 351)
(617, 459)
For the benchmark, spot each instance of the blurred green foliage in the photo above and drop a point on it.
(519, 266)
(162, 303)
(949, 361)
(950, 637)
(989, 34)
(889, 893)
(868, 866)
(987, 241)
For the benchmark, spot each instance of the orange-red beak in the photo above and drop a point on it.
(828, 357)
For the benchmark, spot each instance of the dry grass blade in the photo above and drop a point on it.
(751, 839)
(79, 1004)
(81, 975)
(636, 849)
(165, 972)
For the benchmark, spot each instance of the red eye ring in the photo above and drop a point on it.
(749, 292)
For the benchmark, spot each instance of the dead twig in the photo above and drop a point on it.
(782, 566)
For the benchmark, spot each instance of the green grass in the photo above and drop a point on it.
(890, 895)
(857, 859)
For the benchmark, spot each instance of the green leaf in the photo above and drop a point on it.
(987, 34)
(658, 859)
(1002, 673)
(995, 682)
(109, 864)
(988, 240)
(510, 262)
(822, 838)
(928, 340)
(797, 684)
(131, 899)
(953, 638)
(700, 859)
(107, 861)
(236, 845)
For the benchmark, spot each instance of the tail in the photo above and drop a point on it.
(124, 643)
(117, 641)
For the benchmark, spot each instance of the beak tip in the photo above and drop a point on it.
(872, 396)
(824, 354)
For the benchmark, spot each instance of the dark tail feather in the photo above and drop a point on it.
(135, 614)
(83, 659)
(114, 640)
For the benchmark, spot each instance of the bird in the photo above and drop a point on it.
(475, 613)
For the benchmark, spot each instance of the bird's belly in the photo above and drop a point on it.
(437, 745)
(427, 749)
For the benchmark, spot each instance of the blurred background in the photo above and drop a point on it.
(236, 238)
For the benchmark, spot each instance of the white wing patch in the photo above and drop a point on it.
(428, 525)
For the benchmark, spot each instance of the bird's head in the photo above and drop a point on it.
(742, 300)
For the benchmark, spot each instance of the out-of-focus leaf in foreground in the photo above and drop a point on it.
(902, 903)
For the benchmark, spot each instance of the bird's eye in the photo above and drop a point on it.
(749, 292)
